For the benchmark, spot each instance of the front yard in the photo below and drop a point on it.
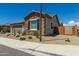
(59, 39)
(62, 39)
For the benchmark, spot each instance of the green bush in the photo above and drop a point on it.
(17, 35)
(14, 34)
(37, 33)
(22, 38)
(30, 37)
(67, 40)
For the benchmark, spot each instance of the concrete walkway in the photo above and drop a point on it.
(41, 49)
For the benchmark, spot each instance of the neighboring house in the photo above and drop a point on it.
(32, 23)
(17, 27)
(5, 28)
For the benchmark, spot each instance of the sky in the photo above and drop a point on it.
(67, 13)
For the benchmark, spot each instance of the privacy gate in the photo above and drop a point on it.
(66, 30)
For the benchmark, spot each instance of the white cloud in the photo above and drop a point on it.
(71, 23)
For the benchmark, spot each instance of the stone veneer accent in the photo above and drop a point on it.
(43, 26)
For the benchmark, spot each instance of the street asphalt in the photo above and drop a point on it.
(7, 51)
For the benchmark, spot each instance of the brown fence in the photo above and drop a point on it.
(66, 30)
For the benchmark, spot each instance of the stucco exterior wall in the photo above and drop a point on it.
(49, 30)
(54, 21)
(48, 27)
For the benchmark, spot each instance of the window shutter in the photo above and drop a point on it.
(38, 24)
(28, 25)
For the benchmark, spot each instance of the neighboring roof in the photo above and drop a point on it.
(5, 25)
(13, 24)
(17, 23)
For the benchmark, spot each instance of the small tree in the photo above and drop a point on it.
(37, 33)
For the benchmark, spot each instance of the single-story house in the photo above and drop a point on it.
(50, 25)
(5, 28)
(32, 23)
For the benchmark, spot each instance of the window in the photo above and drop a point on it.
(33, 25)
(51, 26)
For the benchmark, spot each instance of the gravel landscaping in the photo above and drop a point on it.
(58, 39)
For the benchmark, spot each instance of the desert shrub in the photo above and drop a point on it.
(8, 34)
(23, 33)
(67, 40)
(30, 37)
(22, 38)
(17, 35)
(37, 33)
(14, 34)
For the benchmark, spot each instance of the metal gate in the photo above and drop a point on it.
(68, 30)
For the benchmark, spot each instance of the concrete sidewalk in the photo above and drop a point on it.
(41, 49)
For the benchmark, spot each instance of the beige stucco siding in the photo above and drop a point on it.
(54, 22)
(49, 31)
